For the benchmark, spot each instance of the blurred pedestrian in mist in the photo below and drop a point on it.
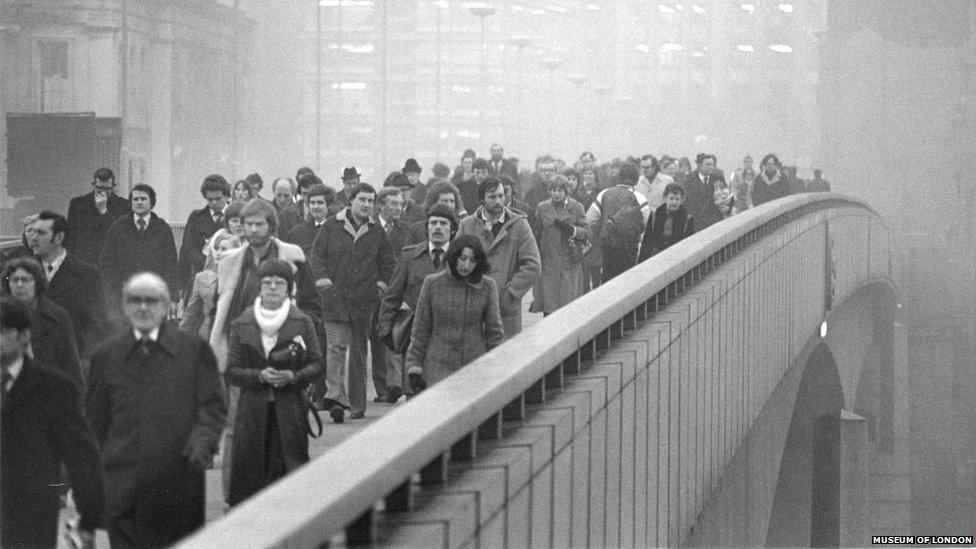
(771, 182)
(668, 224)
(562, 235)
(91, 215)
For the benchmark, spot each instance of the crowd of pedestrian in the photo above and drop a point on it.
(127, 365)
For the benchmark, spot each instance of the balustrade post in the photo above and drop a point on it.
(362, 531)
(434, 472)
(555, 376)
(491, 429)
(400, 500)
(515, 410)
(465, 449)
(536, 393)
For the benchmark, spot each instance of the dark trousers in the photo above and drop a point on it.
(618, 260)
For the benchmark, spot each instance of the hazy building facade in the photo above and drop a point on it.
(167, 69)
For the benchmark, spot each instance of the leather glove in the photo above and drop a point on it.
(564, 228)
(416, 382)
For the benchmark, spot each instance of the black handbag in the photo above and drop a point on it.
(289, 355)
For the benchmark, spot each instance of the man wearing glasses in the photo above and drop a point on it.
(156, 406)
(91, 214)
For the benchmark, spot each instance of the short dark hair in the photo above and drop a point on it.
(233, 210)
(489, 184)
(441, 170)
(59, 222)
(255, 179)
(701, 158)
(303, 171)
(457, 246)
(307, 180)
(585, 154)
(773, 157)
(14, 314)
(479, 164)
(674, 188)
(33, 268)
(439, 188)
(247, 186)
(259, 206)
(104, 174)
(468, 153)
(280, 268)
(387, 192)
(320, 189)
(442, 210)
(360, 188)
(143, 188)
(215, 183)
(507, 181)
(628, 174)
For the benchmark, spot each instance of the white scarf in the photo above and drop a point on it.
(270, 322)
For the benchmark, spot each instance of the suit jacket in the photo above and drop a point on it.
(43, 427)
(127, 252)
(397, 236)
(53, 340)
(200, 226)
(290, 217)
(149, 410)
(303, 236)
(77, 287)
(354, 261)
(700, 199)
(504, 168)
(87, 228)
(469, 195)
(414, 265)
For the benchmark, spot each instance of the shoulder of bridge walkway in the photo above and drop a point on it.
(632, 416)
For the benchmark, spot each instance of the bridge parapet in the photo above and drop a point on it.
(611, 421)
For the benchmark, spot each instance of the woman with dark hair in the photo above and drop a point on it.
(242, 192)
(272, 355)
(52, 332)
(457, 318)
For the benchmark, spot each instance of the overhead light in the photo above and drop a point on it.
(365, 48)
(538, 11)
(643, 48)
(517, 7)
(346, 3)
(556, 9)
(745, 48)
(460, 89)
(788, 8)
(443, 4)
(781, 48)
(680, 6)
(748, 7)
(697, 9)
(593, 7)
(349, 85)
(665, 9)
(699, 54)
(671, 46)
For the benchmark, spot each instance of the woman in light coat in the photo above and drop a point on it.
(457, 318)
(560, 229)
(198, 315)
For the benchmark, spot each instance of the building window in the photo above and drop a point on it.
(54, 83)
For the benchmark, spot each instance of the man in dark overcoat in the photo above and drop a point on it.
(139, 242)
(200, 226)
(73, 284)
(320, 200)
(352, 261)
(700, 188)
(416, 262)
(155, 402)
(92, 214)
(43, 427)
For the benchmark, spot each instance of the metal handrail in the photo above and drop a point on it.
(323, 498)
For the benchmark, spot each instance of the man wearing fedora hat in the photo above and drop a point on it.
(407, 181)
(350, 178)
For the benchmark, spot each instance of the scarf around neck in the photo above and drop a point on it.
(269, 322)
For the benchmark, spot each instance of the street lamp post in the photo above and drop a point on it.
(578, 80)
(482, 11)
(551, 63)
(520, 42)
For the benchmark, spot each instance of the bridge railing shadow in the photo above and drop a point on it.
(335, 498)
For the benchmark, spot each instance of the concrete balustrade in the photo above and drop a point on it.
(649, 412)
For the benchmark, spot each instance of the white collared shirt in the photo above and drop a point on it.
(135, 219)
(14, 371)
(51, 267)
(153, 335)
(488, 223)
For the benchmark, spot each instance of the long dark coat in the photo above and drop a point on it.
(766, 190)
(43, 427)
(200, 227)
(53, 340)
(354, 261)
(77, 286)
(700, 199)
(127, 252)
(455, 323)
(148, 411)
(245, 360)
(656, 237)
(303, 236)
(87, 228)
(291, 216)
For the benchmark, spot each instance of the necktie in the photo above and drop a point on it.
(141, 223)
(144, 344)
(5, 378)
(217, 216)
(437, 257)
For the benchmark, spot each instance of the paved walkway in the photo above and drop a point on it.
(332, 435)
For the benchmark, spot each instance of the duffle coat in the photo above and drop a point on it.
(561, 276)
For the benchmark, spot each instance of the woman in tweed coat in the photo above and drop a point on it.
(457, 318)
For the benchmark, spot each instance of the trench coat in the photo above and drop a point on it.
(455, 323)
(562, 278)
(245, 360)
